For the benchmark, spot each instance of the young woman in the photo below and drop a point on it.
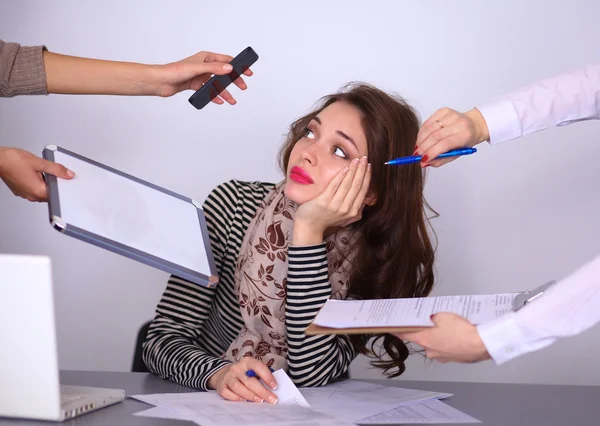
(334, 227)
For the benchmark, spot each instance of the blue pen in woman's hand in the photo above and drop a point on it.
(417, 158)
(252, 373)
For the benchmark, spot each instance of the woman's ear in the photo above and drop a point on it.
(370, 200)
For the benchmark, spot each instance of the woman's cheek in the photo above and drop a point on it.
(329, 174)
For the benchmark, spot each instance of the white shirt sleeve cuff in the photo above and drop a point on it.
(504, 340)
(502, 120)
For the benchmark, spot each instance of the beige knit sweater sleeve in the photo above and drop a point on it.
(21, 70)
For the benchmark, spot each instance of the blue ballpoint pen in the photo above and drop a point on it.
(252, 373)
(417, 158)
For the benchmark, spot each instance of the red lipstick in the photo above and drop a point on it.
(298, 174)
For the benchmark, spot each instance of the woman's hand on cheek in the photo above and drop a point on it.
(340, 204)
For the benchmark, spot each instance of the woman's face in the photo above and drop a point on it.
(330, 142)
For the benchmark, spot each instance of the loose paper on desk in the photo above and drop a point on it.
(256, 414)
(428, 412)
(210, 409)
(352, 400)
(160, 413)
(411, 312)
(341, 403)
(287, 392)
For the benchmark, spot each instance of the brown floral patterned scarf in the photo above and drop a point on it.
(261, 277)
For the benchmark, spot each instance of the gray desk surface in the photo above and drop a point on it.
(493, 404)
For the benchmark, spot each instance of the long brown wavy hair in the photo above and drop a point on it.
(394, 257)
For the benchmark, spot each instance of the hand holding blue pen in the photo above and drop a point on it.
(252, 373)
(417, 158)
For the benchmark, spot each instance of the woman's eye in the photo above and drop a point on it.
(339, 152)
(309, 134)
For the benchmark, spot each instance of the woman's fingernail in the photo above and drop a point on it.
(273, 385)
(70, 173)
(355, 161)
(273, 400)
(369, 167)
(257, 399)
(227, 67)
(424, 158)
(345, 170)
(363, 160)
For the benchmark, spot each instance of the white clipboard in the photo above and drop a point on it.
(134, 218)
(495, 302)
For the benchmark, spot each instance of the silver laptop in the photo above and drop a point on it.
(29, 382)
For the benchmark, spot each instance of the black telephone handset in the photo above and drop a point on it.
(217, 83)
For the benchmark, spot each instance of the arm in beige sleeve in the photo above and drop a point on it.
(21, 70)
(35, 70)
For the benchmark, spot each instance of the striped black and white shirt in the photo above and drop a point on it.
(194, 325)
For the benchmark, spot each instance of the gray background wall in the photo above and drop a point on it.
(511, 217)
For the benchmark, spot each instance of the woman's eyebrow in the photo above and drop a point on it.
(339, 132)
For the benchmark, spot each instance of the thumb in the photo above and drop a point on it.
(55, 169)
(437, 319)
(443, 317)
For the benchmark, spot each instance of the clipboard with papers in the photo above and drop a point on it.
(413, 314)
(131, 217)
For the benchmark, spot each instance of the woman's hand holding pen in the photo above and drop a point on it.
(339, 205)
(453, 338)
(448, 129)
(232, 382)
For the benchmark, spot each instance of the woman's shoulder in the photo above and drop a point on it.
(235, 189)
(228, 195)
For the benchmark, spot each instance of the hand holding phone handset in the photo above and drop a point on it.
(218, 83)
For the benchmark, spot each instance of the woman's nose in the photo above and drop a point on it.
(311, 153)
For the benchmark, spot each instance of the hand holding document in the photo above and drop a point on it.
(401, 315)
